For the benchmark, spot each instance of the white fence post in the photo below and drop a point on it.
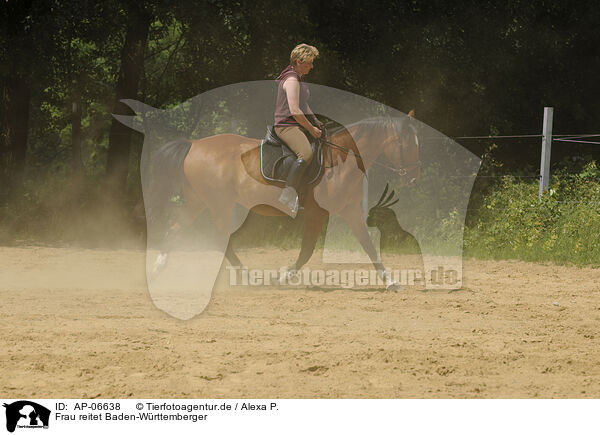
(546, 146)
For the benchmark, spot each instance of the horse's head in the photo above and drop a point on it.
(402, 149)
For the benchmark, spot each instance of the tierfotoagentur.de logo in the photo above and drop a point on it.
(25, 414)
(344, 278)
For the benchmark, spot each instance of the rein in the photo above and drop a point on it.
(401, 170)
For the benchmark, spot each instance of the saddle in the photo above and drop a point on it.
(276, 158)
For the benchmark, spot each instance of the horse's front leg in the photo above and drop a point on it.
(354, 217)
(315, 218)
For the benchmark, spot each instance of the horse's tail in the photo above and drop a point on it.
(167, 178)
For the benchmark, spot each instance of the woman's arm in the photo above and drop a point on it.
(292, 91)
(313, 119)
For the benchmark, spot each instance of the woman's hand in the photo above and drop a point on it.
(321, 127)
(315, 132)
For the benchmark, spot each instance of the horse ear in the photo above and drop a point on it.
(411, 114)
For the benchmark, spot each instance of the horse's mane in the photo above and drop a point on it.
(363, 128)
(368, 125)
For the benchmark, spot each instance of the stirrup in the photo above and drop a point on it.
(294, 208)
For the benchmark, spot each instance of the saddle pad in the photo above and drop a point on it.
(276, 158)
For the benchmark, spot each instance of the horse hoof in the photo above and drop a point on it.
(284, 278)
(394, 287)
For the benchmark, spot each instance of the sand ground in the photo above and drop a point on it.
(79, 323)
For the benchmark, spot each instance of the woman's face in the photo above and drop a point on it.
(304, 67)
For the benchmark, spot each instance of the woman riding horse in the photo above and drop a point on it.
(292, 112)
(220, 171)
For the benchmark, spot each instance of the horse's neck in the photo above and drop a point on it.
(345, 140)
(369, 141)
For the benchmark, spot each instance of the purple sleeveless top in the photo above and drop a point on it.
(283, 117)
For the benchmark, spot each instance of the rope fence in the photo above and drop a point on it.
(519, 136)
(576, 141)
(547, 139)
(515, 136)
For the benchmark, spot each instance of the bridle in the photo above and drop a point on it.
(401, 170)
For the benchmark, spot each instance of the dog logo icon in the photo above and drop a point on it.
(26, 414)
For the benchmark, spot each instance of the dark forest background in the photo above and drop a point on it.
(466, 67)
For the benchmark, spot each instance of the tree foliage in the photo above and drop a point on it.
(467, 67)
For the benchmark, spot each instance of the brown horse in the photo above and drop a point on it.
(222, 170)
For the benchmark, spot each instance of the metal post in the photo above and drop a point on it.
(546, 145)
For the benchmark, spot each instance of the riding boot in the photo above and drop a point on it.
(289, 195)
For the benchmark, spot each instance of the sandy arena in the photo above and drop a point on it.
(80, 324)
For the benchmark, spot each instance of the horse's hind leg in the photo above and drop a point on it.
(222, 214)
(314, 219)
(183, 220)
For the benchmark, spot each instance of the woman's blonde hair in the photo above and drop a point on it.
(303, 53)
